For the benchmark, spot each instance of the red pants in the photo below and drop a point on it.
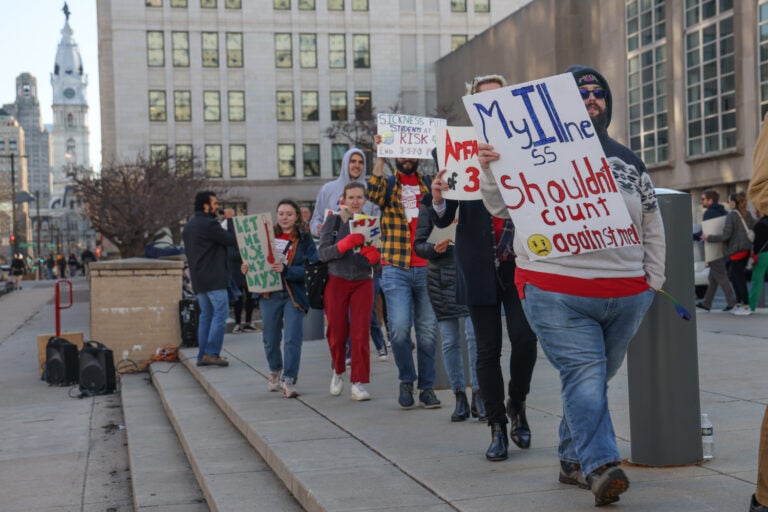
(348, 306)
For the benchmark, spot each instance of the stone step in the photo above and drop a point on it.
(231, 474)
(161, 477)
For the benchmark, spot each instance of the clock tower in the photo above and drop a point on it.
(70, 113)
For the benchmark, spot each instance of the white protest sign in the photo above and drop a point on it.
(553, 174)
(255, 243)
(404, 136)
(713, 250)
(457, 153)
(368, 227)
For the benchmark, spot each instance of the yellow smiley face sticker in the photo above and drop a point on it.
(539, 245)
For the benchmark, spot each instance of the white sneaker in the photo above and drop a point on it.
(337, 383)
(741, 311)
(383, 356)
(237, 329)
(359, 393)
(273, 384)
(289, 390)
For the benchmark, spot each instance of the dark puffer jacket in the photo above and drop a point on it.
(441, 269)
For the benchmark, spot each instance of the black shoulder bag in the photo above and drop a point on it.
(316, 275)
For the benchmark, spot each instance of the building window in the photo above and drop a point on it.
(338, 105)
(208, 4)
(306, 5)
(184, 161)
(210, 49)
(286, 160)
(2, 144)
(157, 110)
(337, 155)
(335, 5)
(311, 160)
(180, 42)
(308, 50)
(337, 51)
(363, 107)
(182, 105)
(158, 152)
(153, 3)
(213, 161)
(70, 121)
(361, 49)
(155, 49)
(283, 50)
(211, 106)
(762, 41)
(178, 3)
(458, 5)
(710, 76)
(237, 161)
(233, 4)
(359, 5)
(309, 107)
(236, 104)
(482, 5)
(457, 40)
(284, 106)
(282, 5)
(648, 109)
(234, 50)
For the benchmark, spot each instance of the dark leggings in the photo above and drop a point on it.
(737, 272)
(487, 322)
(237, 306)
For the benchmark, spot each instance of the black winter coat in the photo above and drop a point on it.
(205, 244)
(441, 269)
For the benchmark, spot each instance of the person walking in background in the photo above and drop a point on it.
(441, 285)
(585, 308)
(50, 264)
(737, 248)
(73, 264)
(760, 249)
(18, 268)
(718, 273)
(245, 300)
(61, 263)
(282, 311)
(348, 298)
(205, 244)
(87, 257)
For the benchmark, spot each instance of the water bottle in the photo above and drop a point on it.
(707, 437)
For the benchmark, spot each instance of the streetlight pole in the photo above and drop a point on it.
(39, 247)
(14, 240)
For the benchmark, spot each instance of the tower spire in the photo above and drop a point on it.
(66, 11)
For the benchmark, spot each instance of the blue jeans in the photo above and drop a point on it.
(281, 319)
(408, 304)
(214, 311)
(453, 354)
(586, 340)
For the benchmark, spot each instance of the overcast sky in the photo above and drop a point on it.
(33, 31)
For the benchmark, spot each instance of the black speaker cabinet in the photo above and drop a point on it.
(189, 315)
(60, 362)
(97, 369)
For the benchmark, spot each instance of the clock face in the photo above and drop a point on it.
(69, 92)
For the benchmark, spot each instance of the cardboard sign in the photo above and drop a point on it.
(553, 174)
(713, 250)
(255, 241)
(404, 136)
(368, 227)
(457, 153)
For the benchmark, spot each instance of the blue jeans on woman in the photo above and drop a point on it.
(214, 311)
(281, 319)
(408, 304)
(586, 340)
(453, 360)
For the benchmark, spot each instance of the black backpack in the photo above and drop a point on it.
(316, 275)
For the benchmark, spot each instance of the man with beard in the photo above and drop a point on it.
(585, 308)
(205, 244)
(404, 277)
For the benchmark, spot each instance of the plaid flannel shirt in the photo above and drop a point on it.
(395, 231)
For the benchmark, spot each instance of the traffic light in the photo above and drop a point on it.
(13, 239)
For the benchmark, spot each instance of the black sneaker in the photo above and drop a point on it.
(248, 328)
(428, 399)
(728, 308)
(607, 483)
(570, 473)
(406, 395)
(754, 506)
(701, 305)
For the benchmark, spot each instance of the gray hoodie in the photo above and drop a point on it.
(330, 194)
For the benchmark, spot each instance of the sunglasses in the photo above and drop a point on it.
(599, 94)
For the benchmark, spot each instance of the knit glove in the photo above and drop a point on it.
(350, 241)
(371, 253)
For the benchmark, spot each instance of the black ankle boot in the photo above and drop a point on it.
(519, 431)
(498, 448)
(478, 405)
(461, 412)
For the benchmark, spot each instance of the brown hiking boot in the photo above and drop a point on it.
(607, 482)
(209, 360)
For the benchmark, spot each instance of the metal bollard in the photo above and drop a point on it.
(662, 361)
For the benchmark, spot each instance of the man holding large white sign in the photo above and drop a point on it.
(589, 242)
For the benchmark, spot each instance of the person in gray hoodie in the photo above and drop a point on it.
(585, 308)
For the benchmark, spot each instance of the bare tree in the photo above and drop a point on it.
(129, 202)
